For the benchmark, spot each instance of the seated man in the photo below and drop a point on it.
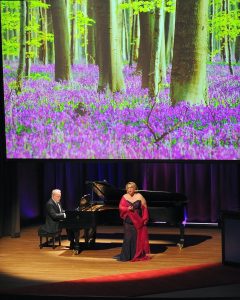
(54, 213)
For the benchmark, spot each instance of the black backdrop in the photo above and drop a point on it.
(26, 186)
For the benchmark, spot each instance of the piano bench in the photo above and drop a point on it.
(50, 239)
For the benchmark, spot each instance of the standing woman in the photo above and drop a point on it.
(133, 210)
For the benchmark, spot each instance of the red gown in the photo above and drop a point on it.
(135, 231)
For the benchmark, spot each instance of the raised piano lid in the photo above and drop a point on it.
(112, 195)
(106, 192)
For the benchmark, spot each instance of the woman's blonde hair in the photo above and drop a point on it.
(132, 184)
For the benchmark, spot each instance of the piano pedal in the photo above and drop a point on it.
(180, 244)
(76, 249)
(76, 252)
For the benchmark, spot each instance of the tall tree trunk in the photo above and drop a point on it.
(228, 43)
(134, 41)
(211, 34)
(169, 35)
(188, 76)
(146, 31)
(136, 38)
(108, 25)
(131, 39)
(28, 38)
(50, 48)
(237, 42)
(22, 49)
(91, 43)
(223, 41)
(126, 36)
(237, 49)
(133, 18)
(73, 32)
(43, 27)
(162, 65)
(84, 36)
(61, 40)
(155, 55)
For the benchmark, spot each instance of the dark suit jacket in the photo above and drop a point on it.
(53, 217)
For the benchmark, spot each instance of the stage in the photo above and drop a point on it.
(27, 270)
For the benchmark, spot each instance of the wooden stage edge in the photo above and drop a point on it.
(23, 263)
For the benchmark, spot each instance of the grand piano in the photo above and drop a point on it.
(100, 207)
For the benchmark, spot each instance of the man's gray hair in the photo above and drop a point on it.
(56, 191)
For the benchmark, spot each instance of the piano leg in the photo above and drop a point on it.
(74, 236)
(90, 236)
(181, 241)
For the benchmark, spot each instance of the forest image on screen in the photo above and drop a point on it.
(121, 79)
